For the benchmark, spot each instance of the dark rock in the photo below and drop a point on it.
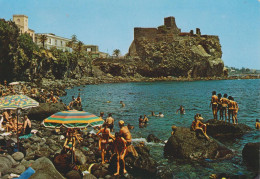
(185, 144)
(45, 110)
(17, 170)
(226, 131)
(45, 169)
(73, 174)
(153, 138)
(18, 156)
(80, 157)
(5, 164)
(250, 154)
(89, 176)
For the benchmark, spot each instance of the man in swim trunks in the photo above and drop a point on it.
(198, 125)
(235, 110)
(230, 108)
(257, 124)
(110, 122)
(104, 140)
(181, 109)
(120, 150)
(214, 104)
(224, 103)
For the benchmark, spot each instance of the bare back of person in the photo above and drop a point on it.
(124, 131)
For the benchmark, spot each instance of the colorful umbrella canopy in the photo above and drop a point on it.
(72, 119)
(17, 101)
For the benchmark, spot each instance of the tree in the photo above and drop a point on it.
(43, 39)
(78, 47)
(116, 52)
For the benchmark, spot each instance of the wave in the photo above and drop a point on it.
(138, 140)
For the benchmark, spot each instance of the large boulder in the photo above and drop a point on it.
(186, 144)
(45, 169)
(226, 131)
(153, 138)
(250, 154)
(6, 162)
(45, 110)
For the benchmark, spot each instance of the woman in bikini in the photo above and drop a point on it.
(70, 143)
(224, 103)
(104, 140)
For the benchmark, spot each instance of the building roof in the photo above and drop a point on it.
(52, 35)
(20, 15)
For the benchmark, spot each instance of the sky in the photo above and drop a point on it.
(110, 23)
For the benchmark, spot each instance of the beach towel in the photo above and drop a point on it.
(27, 173)
(25, 136)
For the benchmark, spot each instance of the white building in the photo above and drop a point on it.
(52, 41)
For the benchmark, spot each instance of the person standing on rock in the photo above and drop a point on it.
(224, 103)
(120, 150)
(27, 126)
(220, 107)
(198, 125)
(235, 110)
(110, 122)
(214, 104)
(104, 140)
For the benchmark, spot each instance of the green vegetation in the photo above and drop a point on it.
(22, 59)
(116, 52)
(240, 71)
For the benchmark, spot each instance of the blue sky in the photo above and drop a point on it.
(110, 23)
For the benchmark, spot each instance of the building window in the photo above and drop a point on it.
(49, 41)
(88, 49)
(60, 43)
(55, 42)
(18, 20)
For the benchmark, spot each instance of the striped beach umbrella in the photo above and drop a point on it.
(17, 102)
(72, 119)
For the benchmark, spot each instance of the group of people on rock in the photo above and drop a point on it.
(10, 123)
(224, 105)
(118, 144)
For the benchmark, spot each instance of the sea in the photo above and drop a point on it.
(166, 97)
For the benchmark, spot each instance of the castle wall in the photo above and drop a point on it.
(148, 33)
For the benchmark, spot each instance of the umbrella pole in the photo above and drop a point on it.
(17, 130)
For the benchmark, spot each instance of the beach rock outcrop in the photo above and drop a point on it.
(186, 144)
(251, 157)
(45, 169)
(153, 138)
(224, 131)
(45, 110)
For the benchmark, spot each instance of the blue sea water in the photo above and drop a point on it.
(143, 97)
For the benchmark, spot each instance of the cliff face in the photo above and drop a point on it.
(198, 56)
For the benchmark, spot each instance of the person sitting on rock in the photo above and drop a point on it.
(181, 109)
(27, 126)
(257, 124)
(104, 140)
(174, 129)
(197, 125)
(214, 104)
(120, 150)
(71, 104)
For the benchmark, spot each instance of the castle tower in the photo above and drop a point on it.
(22, 22)
(170, 23)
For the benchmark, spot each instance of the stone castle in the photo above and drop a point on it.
(169, 32)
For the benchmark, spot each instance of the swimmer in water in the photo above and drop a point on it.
(181, 109)
(122, 103)
(257, 124)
